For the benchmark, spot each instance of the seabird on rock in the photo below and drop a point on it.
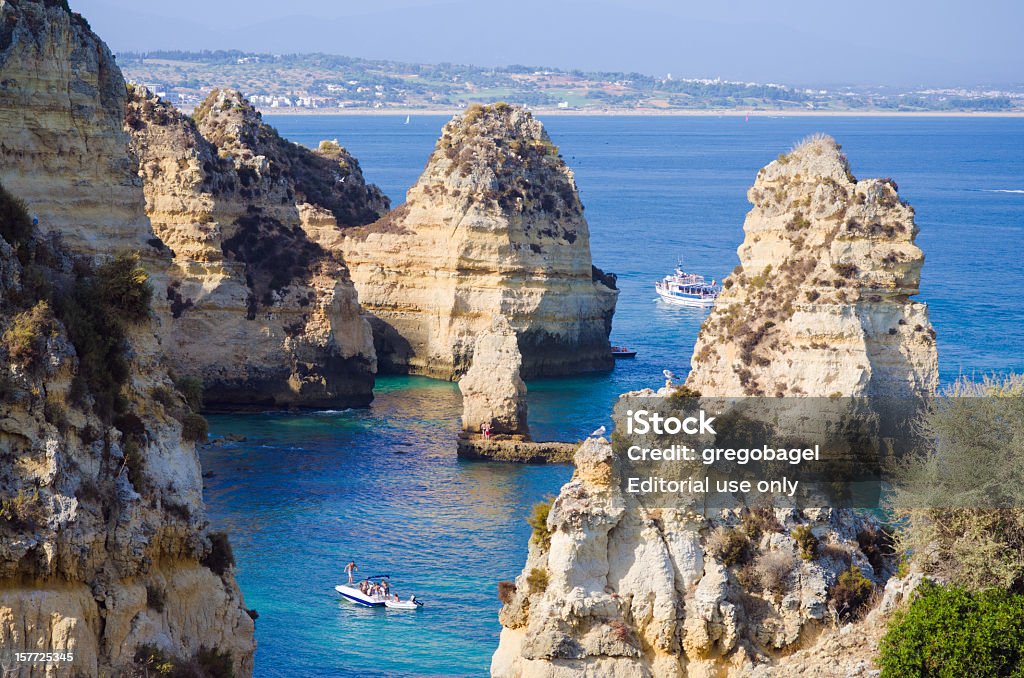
(599, 432)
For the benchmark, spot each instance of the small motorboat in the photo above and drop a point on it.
(357, 596)
(411, 604)
(623, 352)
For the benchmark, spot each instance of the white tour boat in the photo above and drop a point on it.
(687, 289)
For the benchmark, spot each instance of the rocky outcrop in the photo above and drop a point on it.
(63, 150)
(253, 222)
(611, 588)
(104, 544)
(819, 306)
(493, 393)
(821, 301)
(494, 225)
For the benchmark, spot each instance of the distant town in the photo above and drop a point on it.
(326, 83)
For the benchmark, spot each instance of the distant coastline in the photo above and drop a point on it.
(651, 113)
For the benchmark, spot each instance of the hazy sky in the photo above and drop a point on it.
(898, 42)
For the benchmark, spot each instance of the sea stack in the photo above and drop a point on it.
(105, 548)
(493, 393)
(493, 225)
(819, 306)
(821, 301)
(253, 222)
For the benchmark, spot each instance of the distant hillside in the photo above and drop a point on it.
(323, 81)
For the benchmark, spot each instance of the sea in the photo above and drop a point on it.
(305, 493)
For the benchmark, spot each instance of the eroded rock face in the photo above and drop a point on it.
(820, 303)
(493, 393)
(100, 501)
(494, 225)
(820, 306)
(253, 222)
(622, 591)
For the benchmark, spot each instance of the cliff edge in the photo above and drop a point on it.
(105, 550)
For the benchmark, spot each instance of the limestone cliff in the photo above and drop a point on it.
(819, 306)
(104, 544)
(253, 221)
(821, 301)
(493, 393)
(494, 225)
(63, 149)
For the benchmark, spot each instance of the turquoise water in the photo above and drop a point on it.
(304, 493)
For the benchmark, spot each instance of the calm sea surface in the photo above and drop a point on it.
(306, 493)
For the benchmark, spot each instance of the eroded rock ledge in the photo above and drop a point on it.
(253, 222)
(494, 225)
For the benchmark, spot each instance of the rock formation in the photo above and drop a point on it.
(819, 306)
(253, 222)
(820, 303)
(494, 225)
(493, 393)
(104, 544)
(63, 149)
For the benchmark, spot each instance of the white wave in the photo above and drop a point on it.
(1003, 190)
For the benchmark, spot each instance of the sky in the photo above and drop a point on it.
(799, 42)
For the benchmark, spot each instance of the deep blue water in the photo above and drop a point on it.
(304, 493)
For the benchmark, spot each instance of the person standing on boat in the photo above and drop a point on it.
(350, 570)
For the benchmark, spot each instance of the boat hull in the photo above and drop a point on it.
(705, 302)
(358, 597)
(623, 354)
(401, 605)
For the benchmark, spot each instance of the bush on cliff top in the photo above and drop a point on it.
(948, 631)
(959, 521)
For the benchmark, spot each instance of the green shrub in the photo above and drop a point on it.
(760, 520)
(877, 544)
(123, 286)
(22, 512)
(851, 590)
(155, 598)
(731, 545)
(15, 223)
(805, 540)
(134, 463)
(164, 396)
(192, 389)
(538, 520)
(194, 428)
(220, 558)
(26, 338)
(215, 663)
(960, 521)
(948, 631)
(537, 580)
